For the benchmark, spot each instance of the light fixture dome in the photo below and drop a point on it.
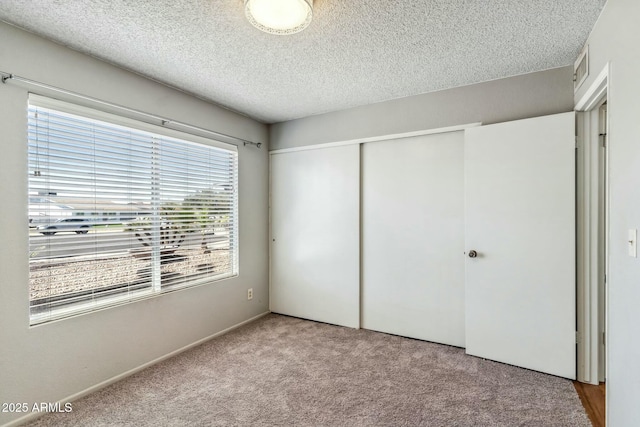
(280, 17)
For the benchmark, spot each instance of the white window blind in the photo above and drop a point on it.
(118, 212)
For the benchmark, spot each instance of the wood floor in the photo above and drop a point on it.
(592, 397)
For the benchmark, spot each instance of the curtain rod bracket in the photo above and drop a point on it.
(6, 77)
(257, 144)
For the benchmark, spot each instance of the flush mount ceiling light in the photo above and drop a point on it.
(280, 17)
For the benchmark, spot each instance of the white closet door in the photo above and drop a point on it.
(413, 237)
(520, 219)
(315, 235)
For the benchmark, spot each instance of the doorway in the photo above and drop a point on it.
(592, 144)
(592, 222)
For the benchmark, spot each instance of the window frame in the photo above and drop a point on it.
(63, 309)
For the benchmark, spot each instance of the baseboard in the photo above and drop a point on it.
(130, 372)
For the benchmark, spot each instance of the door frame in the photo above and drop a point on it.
(592, 261)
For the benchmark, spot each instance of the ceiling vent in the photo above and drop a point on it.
(581, 68)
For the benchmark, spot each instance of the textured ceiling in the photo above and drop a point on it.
(354, 52)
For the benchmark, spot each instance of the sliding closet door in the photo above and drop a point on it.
(520, 225)
(413, 237)
(315, 234)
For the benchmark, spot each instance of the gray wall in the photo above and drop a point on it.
(56, 360)
(615, 39)
(519, 97)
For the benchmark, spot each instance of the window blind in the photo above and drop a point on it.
(117, 212)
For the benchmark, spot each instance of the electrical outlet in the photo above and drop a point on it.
(250, 293)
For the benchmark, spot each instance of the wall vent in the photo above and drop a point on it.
(581, 68)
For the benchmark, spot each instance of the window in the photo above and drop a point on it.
(121, 210)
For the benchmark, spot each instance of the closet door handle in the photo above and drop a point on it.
(473, 254)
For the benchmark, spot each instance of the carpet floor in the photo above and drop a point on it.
(284, 371)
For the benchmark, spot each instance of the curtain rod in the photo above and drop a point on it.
(162, 121)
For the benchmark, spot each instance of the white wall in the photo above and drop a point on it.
(53, 361)
(615, 39)
(520, 97)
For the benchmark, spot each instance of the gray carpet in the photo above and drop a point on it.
(283, 371)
